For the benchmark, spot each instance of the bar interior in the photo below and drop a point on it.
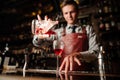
(22, 60)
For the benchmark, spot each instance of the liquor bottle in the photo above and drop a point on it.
(3, 57)
(105, 6)
(100, 9)
(110, 6)
(113, 22)
(101, 25)
(107, 23)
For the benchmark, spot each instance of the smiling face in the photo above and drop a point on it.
(70, 14)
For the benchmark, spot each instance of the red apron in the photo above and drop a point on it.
(75, 42)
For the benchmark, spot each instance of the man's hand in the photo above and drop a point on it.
(68, 62)
(46, 24)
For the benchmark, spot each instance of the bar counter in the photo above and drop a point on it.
(72, 75)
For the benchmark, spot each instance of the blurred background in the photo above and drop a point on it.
(15, 30)
(16, 17)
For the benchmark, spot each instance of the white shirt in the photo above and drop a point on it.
(88, 55)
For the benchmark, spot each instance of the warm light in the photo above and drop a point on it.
(33, 13)
(39, 5)
(77, 1)
(39, 12)
(48, 8)
(51, 8)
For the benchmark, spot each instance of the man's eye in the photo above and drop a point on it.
(66, 13)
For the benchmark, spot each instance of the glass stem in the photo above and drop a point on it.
(57, 70)
(57, 63)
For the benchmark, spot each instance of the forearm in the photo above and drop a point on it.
(89, 55)
(40, 39)
(93, 50)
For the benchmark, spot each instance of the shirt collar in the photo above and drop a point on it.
(68, 26)
(77, 24)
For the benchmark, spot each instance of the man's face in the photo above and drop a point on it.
(70, 14)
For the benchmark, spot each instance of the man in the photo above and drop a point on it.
(80, 42)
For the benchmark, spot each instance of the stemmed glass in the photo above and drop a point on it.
(58, 46)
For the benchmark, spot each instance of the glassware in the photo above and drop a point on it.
(58, 46)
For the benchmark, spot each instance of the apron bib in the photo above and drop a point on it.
(75, 42)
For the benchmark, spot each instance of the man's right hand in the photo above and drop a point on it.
(46, 24)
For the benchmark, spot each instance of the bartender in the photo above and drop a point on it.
(81, 47)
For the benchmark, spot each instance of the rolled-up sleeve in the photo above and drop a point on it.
(39, 41)
(36, 41)
(93, 50)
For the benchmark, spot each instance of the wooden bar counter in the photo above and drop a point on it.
(46, 75)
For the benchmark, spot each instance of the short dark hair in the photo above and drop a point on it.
(69, 2)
